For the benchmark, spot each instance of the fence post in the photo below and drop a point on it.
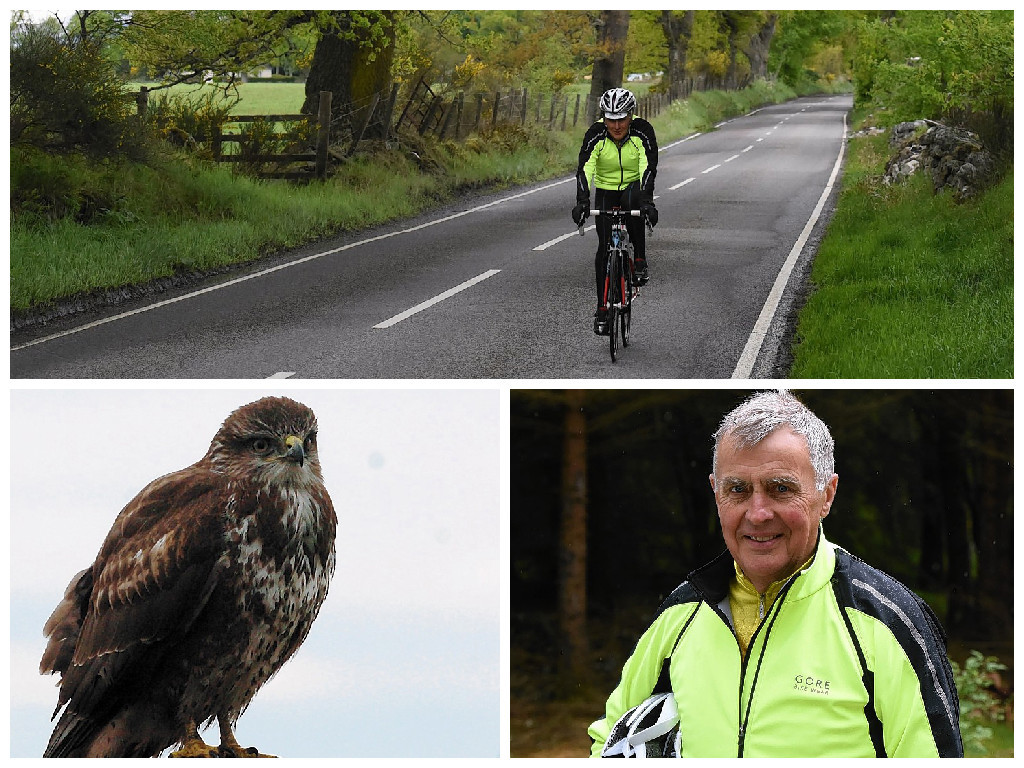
(458, 115)
(565, 110)
(494, 115)
(216, 141)
(323, 134)
(479, 111)
(522, 109)
(430, 114)
(389, 112)
(576, 112)
(366, 124)
(142, 101)
(446, 118)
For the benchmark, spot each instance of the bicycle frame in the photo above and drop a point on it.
(619, 287)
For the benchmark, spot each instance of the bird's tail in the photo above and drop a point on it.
(131, 732)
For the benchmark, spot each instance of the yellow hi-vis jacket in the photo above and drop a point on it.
(608, 165)
(846, 663)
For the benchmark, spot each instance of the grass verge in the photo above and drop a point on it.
(907, 283)
(80, 226)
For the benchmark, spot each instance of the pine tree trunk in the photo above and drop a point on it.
(572, 598)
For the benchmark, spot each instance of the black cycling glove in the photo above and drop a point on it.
(650, 213)
(580, 213)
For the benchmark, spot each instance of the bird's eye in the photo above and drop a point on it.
(261, 445)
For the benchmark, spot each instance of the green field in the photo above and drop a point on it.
(256, 98)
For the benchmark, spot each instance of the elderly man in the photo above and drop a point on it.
(786, 645)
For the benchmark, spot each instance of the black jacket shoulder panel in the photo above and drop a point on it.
(866, 589)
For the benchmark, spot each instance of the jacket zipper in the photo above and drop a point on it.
(742, 735)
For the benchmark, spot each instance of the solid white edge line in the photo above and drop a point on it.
(437, 299)
(279, 267)
(282, 375)
(745, 365)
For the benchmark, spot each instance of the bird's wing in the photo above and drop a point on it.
(153, 575)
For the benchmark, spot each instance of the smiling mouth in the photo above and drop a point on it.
(763, 539)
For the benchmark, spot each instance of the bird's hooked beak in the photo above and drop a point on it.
(295, 450)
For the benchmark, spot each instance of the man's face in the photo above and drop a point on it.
(618, 129)
(769, 506)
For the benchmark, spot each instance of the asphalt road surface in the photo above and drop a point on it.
(502, 286)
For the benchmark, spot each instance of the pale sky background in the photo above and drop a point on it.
(403, 660)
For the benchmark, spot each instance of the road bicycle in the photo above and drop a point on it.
(620, 285)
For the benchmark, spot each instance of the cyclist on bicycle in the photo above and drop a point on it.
(620, 155)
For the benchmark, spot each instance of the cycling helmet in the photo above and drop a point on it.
(650, 729)
(617, 103)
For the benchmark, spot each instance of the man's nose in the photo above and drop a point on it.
(759, 510)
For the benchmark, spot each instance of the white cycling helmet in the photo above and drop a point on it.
(650, 729)
(617, 103)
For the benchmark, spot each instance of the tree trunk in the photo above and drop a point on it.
(678, 30)
(610, 57)
(572, 597)
(353, 69)
(760, 46)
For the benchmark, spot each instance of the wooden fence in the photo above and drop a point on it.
(321, 123)
(455, 116)
(318, 159)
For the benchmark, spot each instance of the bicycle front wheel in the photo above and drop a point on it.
(614, 301)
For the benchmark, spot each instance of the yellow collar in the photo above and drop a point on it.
(749, 607)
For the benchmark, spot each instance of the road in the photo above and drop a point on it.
(501, 287)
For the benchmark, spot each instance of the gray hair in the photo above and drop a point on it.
(762, 413)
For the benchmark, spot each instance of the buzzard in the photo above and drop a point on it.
(208, 581)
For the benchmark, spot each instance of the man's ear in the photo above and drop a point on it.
(830, 495)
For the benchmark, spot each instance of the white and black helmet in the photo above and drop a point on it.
(650, 729)
(617, 103)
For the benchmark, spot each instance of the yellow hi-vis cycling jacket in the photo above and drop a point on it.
(612, 166)
(846, 663)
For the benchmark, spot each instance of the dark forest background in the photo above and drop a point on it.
(611, 508)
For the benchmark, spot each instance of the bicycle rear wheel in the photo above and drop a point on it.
(626, 314)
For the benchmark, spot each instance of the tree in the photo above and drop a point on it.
(760, 45)
(352, 60)
(65, 95)
(678, 29)
(572, 582)
(612, 29)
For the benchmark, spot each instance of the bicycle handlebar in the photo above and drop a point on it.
(617, 212)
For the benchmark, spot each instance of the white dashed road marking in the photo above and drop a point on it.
(437, 299)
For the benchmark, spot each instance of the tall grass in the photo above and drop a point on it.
(909, 284)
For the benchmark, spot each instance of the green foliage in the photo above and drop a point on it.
(800, 39)
(979, 707)
(936, 63)
(189, 119)
(65, 96)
